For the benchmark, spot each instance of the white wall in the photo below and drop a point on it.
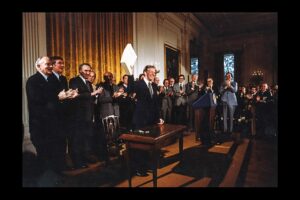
(153, 30)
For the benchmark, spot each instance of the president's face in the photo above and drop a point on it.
(150, 73)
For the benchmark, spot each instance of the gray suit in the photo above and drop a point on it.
(180, 104)
(180, 99)
(166, 104)
(107, 105)
(192, 93)
(229, 100)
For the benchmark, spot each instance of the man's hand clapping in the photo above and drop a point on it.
(98, 91)
(70, 94)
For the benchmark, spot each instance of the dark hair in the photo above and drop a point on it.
(148, 67)
(181, 75)
(124, 76)
(165, 80)
(81, 65)
(140, 76)
(229, 73)
(53, 59)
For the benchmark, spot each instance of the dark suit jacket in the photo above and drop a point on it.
(192, 94)
(42, 107)
(60, 84)
(82, 106)
(147, 109)
(64, 106)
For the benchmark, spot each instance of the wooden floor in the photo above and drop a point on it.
(252, 163)
(262, 169)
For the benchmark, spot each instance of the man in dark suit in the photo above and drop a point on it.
(208, 121)
(146, 112)
(82, 116)
(126, 102)
(43, 109)
(147, 106)
(264, 106)
(59, 83)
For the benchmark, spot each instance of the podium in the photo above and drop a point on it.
(205, 112)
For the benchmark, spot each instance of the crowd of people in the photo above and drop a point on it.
(67, 117)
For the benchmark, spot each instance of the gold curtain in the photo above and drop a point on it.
(95, 38)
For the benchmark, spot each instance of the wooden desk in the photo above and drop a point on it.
(153, 142)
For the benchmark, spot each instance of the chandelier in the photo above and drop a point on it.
(257, 77)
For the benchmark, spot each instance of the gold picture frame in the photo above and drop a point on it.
(172, 61)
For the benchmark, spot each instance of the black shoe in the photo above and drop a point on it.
(141, 173)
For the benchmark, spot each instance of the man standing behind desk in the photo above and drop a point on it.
(146, 112)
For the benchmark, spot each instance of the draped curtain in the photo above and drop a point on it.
(95, 38)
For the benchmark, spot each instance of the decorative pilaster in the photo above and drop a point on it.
(33, 46)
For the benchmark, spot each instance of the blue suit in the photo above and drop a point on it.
(229, 100)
